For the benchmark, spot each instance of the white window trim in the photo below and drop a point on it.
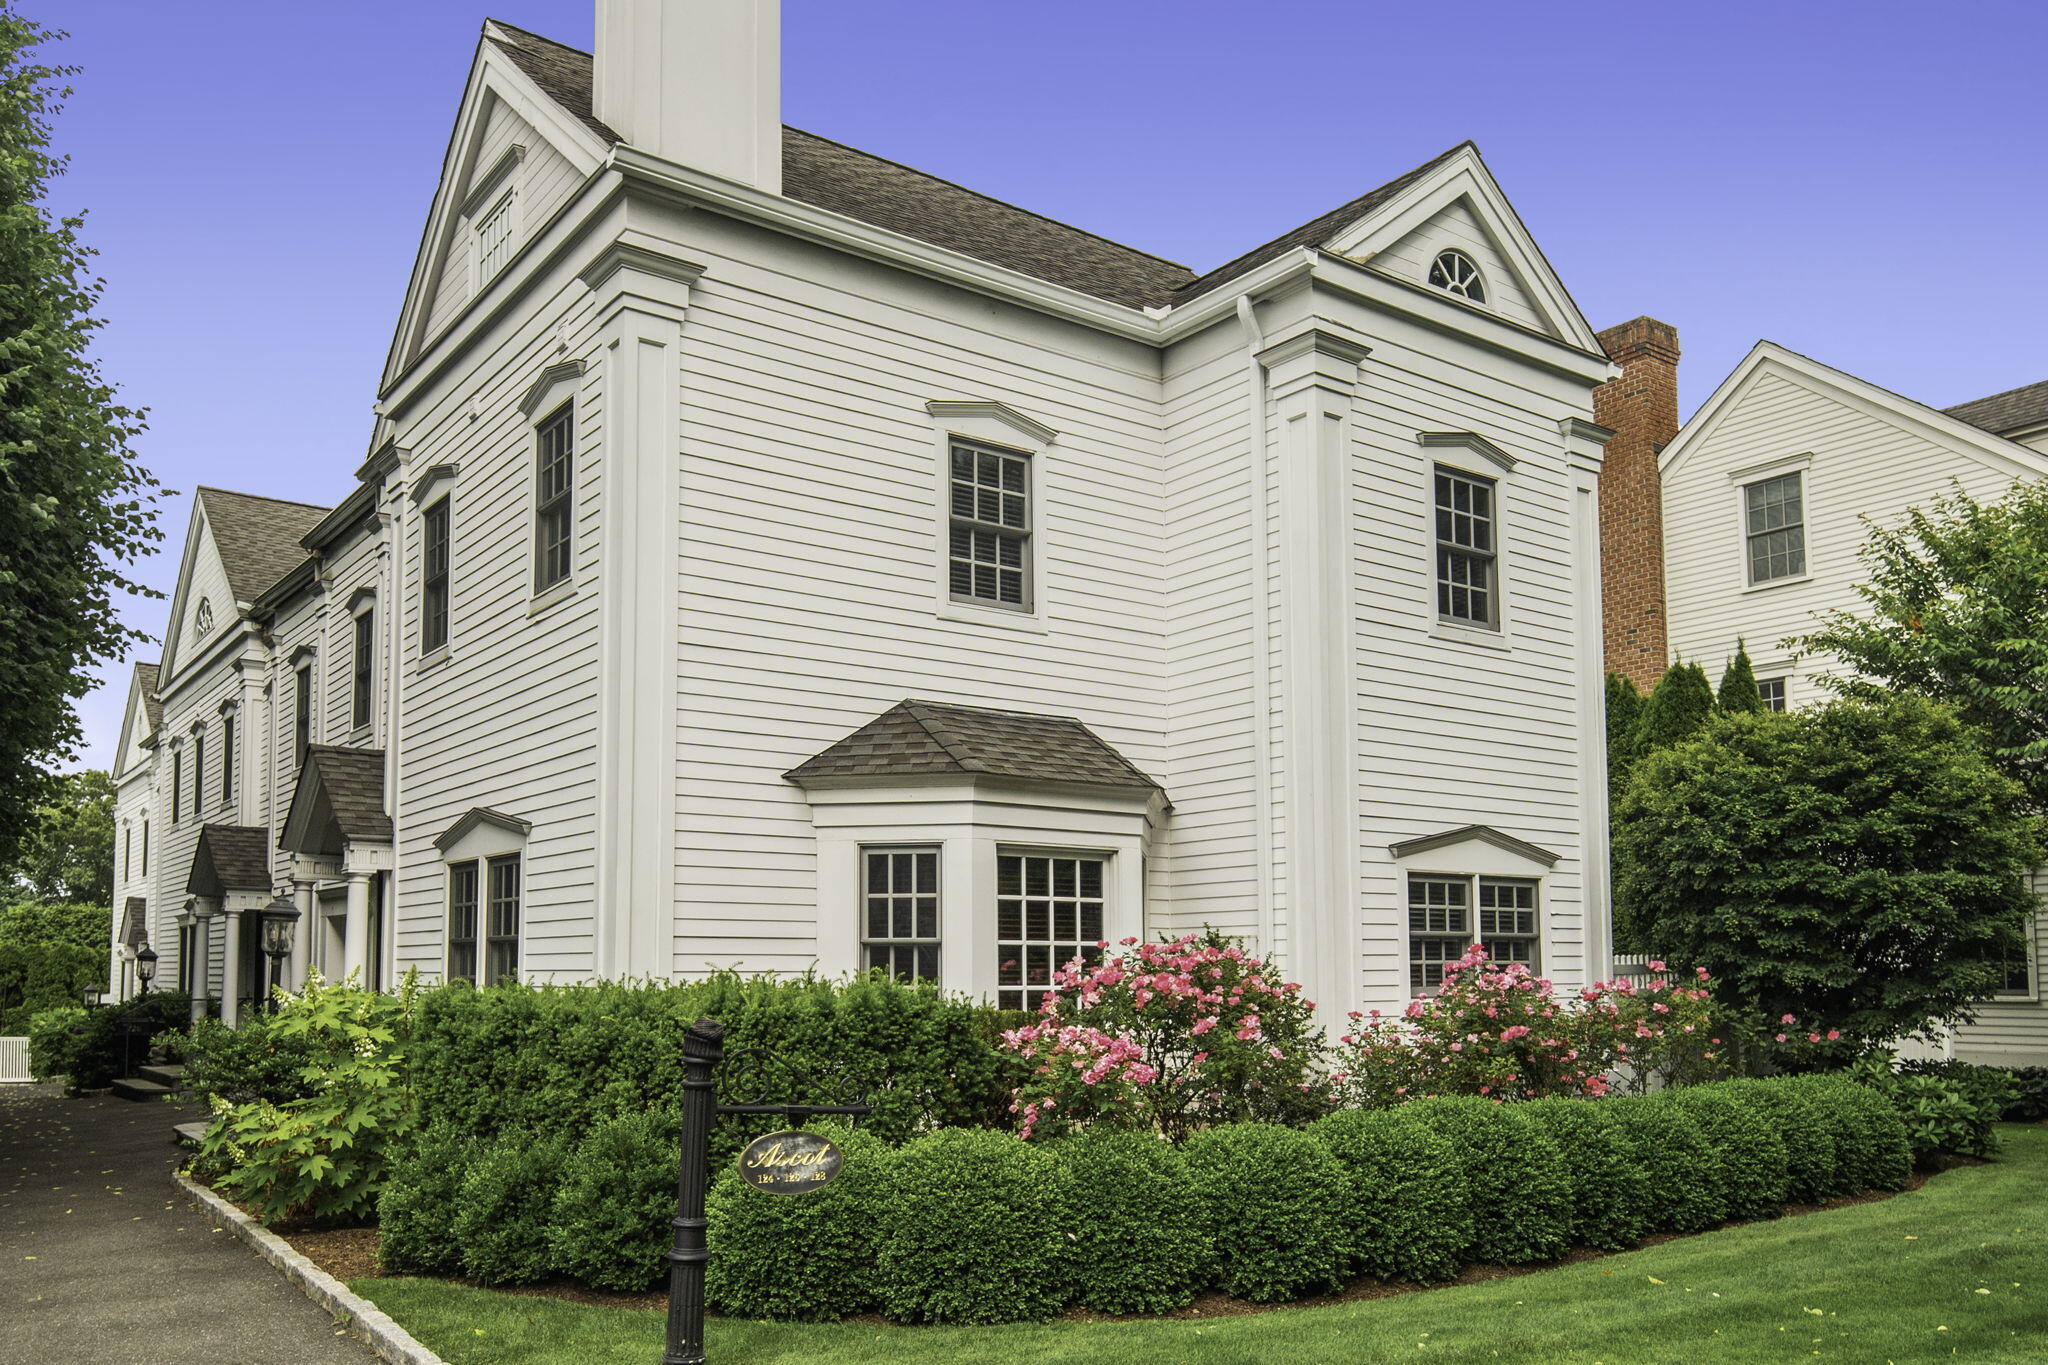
(364, 603)
(557, 384)
(986, 422)
(1740, 481)
(478, 836)
(496, 186)
(861, 893)
(1481, 459)
(2032, 994)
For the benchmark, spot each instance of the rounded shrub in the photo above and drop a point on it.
(1407, 1217)
(1809, 1145)
(1872, 1149)
(416, 1208)
(1515, 1178)
(610, 1226)
(1753, 1159)
(973, 1233)
(1275, 1197)
(1688, 1192)
(1610, 1191)
(801, 1257)
(503, 1208)
(1136, 1241)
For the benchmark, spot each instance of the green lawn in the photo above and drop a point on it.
(1957, 1270)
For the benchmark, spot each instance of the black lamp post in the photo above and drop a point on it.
(280, 922)
(145, 966)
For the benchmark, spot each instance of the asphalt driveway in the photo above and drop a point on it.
(101, 1260)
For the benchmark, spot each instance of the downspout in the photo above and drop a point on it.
(1256, 527)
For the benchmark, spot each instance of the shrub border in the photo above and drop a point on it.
(372, 1324)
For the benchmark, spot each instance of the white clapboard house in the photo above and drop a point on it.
(1769, 492)
(769, 555)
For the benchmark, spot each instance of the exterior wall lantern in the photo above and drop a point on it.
(280, 923)
(145, 966)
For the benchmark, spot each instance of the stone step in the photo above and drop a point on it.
(170, 1075)
(190, 1134)
(135, 1088)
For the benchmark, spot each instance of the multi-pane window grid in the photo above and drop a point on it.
(227, 759)
(302, 718)
(1464, 548)
(365, 660)
(1507, 920)
(990, 504)
(494, 239)
(199, 771)
(1774, 513)
(1772, 690)
(462, 890)
(1049, 911)
(555, 467)
(434, 578)
(1454, 272)
(900, 918)
(1439, 927)
(501, 950)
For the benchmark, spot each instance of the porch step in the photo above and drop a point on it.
(190, 1134)
(135, 1088)
(170, 1075)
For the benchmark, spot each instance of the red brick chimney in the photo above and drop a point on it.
(1641, 408)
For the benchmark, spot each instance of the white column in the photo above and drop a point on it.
(302, 941)
(1313, 377)
(1585, 447)
(355, 951)
(231, 973)
(202, 933)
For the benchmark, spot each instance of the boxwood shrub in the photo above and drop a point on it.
(1136, 1243)
(1515, 1176)
(974, 1223)
(1753, 1159)
(1408, 1216)
(610, 1226)
(1610, 1190)
(416, 1208)
(1872, 1151)
(1809, 1143)
(808, 1257)
(502, 1211)
(1276, 1198)
(1688, 1192)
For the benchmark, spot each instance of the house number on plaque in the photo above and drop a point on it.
(790, 1163)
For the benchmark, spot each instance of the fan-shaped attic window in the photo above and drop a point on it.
(1454, 273)
(202, 619)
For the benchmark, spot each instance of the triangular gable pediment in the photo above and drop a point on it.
(202, 577)
(1455, 845)
(229, 858)
(137, 720)
(338, 800)
(1458, 204)
(504, 127)
(1769, 365)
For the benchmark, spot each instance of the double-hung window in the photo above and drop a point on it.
(199, 771)
(365, 671)
(900, 912)
(1447, 914)
(554, 471)
(1467, 549)
(989, 502)
(1774, 527)
(1049, 911)
(1772, 690)
(227, 758)
(483, 919)
(177, 785)
(302, 717)
(434, 577)
(2015, 975)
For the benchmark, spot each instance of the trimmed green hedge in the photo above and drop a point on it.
(1810, 1155)
(1872, 1150)
(502, 1210)
(611, 1223)
(1274, 1197)
(804, 1257)
(1120, 1183)
(416, 1208)
(1611, 1196)
(973, 1232)
(1409, 1215)
(1753, 1159)
(1510, 1164)
(1688, 1192)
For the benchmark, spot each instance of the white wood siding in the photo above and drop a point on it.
(1457, 228)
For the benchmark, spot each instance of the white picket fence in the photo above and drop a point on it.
(14, 1060)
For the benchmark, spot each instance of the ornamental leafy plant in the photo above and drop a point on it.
(325, 1157)
(1170, 1037)
(804, 1257)
(1276, 1198)
(1135, 1241)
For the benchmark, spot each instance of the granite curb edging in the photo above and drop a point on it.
(376, 1327)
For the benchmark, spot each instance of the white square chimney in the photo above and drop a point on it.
(697, 82)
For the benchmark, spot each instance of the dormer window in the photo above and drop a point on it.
(1454, 273)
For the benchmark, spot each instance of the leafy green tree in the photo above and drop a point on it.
(1738, 694)
(74, 507)
(77, 926)
(67, 852)
(1861, 867)
(1954, 611)
(1681, 703)
(1624, 709)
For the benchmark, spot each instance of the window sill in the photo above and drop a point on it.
(998, 617)
(549, 598)
(432, 659)
(1477, 636)
(1779, 583)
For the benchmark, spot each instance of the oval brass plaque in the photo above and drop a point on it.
(790, 1163)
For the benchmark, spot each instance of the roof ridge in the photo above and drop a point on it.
(940, 735)
(260, 497)
(987, 710)
(2002, 393)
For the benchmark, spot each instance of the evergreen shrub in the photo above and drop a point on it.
(503, 1210)
(1688, 1192)
(804, 1257)
(973, 1233)
(1753, 1158)
(1809, 1144)
(416, 1208)
(1408, 1216)
(1135, 1242)
(611, 1226)
(1515, 1178)
(1872, 1150)
(1610, 1191)
(1276, 1198)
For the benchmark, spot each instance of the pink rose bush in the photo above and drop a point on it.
(1169, 1037)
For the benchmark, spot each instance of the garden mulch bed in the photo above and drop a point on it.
(351, 1254)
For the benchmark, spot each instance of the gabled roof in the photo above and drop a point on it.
(1465, 834)
(929, 738)
(339, 797)
(885, 194)
(257, 538)
(229, 858)
(152, 705)
(134, 923)
(2014, 410)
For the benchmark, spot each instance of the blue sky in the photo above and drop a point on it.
(1865, 182)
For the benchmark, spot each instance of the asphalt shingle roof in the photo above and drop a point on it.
(880, 192)
(258, 538)
(229, 858)
(353, 780)
(2014, 410)
(914, 738)
(152, 705)
(134, 922)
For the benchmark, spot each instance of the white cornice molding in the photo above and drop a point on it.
(490, 181)
(544, 385)
(1466, 440)
(431, 481)
(947, 410)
